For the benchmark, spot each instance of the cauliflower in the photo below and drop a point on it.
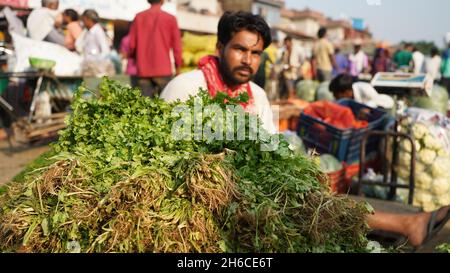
(443, 153)
(420, 167)
(427, 156)
(405, 160)
(403, 173)
(432, 143)
(441, 186)
(444, 200)
(405, 145)
(423, 181)
(419, 131)
(418, 146)
(422, 198)
(439, 168)
(406, 121)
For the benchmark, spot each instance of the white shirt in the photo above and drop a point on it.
(95, 43)
(360, 61)
(365, 93)
(418, 59)
(41, 22)
(434, 67)
(188, 84)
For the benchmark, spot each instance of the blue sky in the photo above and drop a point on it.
(392, 20)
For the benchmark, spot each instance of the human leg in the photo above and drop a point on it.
(159, 83)
(413, 226)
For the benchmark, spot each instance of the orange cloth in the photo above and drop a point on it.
(335, 115)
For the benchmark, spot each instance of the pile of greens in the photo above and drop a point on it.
(119, 182)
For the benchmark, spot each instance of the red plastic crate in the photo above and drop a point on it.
(338, 182)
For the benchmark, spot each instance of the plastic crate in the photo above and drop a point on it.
(343, 144)
(338, 183)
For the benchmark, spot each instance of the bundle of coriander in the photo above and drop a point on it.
(118, 181)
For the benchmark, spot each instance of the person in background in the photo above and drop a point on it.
(344, 86)
(359, 62)
(95, 44)
(131, 67)
(260, 77)
(42, 23)
(433, 65)
(74, 29)
(403, 58)
(381, 61)
(418, 61)
(342, 63)
(153, 35)
(307, 70)
(323, 57)
(445, 68)
(95, 47)
(290, 61)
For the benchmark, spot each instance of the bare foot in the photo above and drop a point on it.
(417, 225)
(417, 228)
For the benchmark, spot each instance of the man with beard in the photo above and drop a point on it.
(242, 39)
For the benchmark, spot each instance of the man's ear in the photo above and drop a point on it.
(219, 48)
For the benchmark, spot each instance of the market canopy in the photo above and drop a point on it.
(111, 9)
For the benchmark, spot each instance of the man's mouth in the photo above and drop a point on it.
(244, 72)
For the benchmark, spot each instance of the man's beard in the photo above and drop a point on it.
(227, 73)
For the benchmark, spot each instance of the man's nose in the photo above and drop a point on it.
(247, 58)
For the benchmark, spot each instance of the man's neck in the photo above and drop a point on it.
(156, 6)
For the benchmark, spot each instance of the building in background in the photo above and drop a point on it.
(270, 10)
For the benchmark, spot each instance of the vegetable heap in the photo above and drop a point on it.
(119, 182)
(432, 179)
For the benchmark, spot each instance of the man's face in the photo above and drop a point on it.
(240, 58)
(86, 22)
(54, 6)
(288, 44)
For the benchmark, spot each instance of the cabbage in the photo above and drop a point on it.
(306, 90)
(295, 143)
(324, 93)
(437, 102)
(329, 164)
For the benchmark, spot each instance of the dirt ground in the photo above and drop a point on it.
(12, 161)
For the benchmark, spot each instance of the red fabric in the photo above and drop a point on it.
(334, 114)
(209, 65)
(153, 34)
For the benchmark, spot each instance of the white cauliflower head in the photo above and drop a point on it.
(427, 156)
(441, 187)
(419, 131)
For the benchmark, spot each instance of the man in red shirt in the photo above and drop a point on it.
(153, 35)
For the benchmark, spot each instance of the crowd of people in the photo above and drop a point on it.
(289, 66)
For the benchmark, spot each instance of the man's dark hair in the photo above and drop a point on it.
(154, 1)
(234, 22)
(72, 14)
(341, 83)
(322, 32)
(288, 38)
(434, 51)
